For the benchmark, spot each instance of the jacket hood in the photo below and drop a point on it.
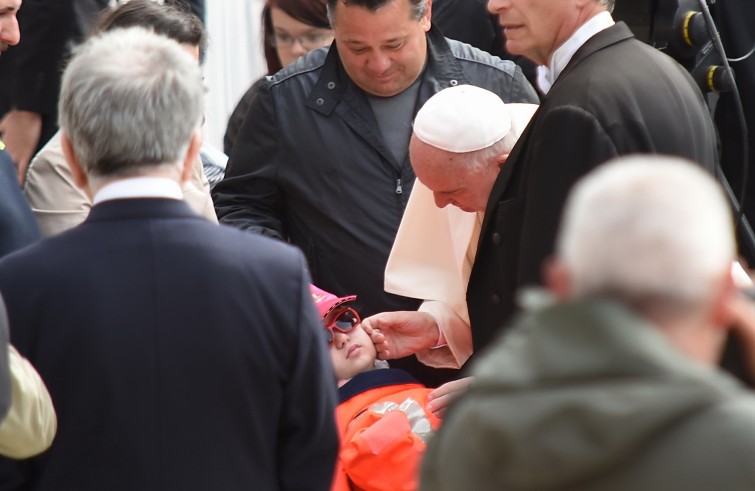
(577, 389)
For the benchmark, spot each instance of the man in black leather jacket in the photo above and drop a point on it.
(321, 160)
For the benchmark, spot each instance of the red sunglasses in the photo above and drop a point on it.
(343, 320)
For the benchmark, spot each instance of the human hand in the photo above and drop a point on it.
(20, 132)
(443, 396)
(402, 333)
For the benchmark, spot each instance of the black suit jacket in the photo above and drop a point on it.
(33, 71)
(179, 355)
(616, 96)
(18, 227)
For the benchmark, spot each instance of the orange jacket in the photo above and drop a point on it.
(383, 425)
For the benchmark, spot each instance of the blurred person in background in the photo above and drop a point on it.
(29, 424)
(30, 77)
(58, 204)
(17, 225)
(290, 29)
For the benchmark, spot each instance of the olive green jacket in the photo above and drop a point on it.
(587, 396)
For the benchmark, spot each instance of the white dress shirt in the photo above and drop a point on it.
(547, 75)
(139, 187)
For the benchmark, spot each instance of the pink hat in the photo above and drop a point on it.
(326, 302)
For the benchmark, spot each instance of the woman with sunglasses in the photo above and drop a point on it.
(382, 419)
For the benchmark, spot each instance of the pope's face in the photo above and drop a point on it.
(450, 179)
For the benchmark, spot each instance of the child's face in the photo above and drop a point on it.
(352, 353)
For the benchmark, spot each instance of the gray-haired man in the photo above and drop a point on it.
(180, 355)
(615, 386)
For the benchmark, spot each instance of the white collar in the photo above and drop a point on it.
(139, 187)
(547, 75)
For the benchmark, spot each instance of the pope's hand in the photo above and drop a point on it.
(402, 333)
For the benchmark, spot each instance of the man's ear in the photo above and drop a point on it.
(192, 154)
(80, 177)
(721, 314)
(426, 20)
(556, 278)
(501, 159)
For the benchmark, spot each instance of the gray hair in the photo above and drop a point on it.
(130, 100)
(479, 159)
(652, 231)
(520, 115)
(419, 7)
(608, 3)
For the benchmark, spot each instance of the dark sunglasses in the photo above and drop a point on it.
(343, 320)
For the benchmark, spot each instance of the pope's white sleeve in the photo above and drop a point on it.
(457, 333)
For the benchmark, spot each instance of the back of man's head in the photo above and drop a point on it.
(130, 100)
(171, 19)
(654, 232)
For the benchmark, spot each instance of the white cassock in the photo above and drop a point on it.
(431, 259)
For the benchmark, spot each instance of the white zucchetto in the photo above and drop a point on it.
(462, 119)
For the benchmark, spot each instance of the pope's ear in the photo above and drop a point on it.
(501, 159)
(79, 176)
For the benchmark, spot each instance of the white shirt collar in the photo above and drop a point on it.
(139, 187)
(547, 75)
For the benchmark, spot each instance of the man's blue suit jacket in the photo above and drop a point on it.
(179, 355)
(18, 227)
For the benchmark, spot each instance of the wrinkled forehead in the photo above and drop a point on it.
(437, 169)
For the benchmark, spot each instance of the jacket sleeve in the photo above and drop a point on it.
(30, 425)
(249, 196)
(382, 449)
(574, 142)
(47, 26)
(455, 330)
(237, 117)
(522, 90)
(308, 441)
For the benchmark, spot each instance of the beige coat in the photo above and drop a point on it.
(31, 423)
(59, 205)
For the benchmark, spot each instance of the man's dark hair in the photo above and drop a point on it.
(419, 7)
(174, 20)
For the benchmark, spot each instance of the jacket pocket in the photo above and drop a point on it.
(508, 208)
